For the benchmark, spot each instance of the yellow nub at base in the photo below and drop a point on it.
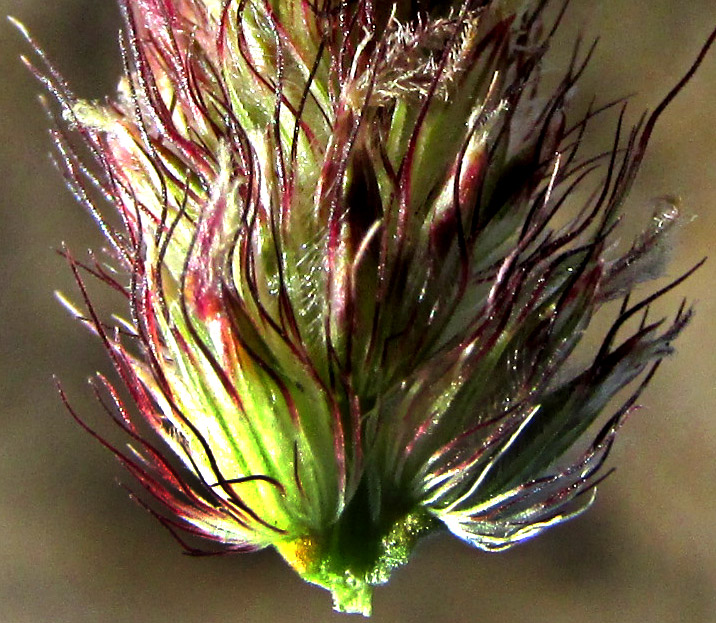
(300, 553)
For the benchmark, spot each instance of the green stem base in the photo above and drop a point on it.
(355, 555)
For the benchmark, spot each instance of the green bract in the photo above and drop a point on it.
(357, 270)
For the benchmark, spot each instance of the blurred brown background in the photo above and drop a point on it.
(74, 549)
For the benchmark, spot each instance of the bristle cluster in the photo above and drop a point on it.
(357, 274)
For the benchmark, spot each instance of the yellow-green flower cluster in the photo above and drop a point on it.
(356, 272)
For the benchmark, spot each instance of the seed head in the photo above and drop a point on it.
(357, 267)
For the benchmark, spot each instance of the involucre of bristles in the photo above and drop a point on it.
(357, 276)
